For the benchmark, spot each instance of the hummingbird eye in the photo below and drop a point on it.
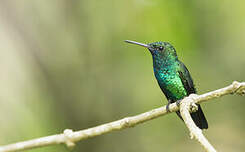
(160, 48)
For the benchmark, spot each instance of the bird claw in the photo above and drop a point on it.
(178, 102)
(167, 107)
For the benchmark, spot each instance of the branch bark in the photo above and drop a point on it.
(187, 105)
(69, 137)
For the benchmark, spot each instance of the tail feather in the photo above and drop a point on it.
(198, 117)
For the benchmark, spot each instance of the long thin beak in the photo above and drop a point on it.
(137, 43)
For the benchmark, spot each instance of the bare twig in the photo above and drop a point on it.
(186, 105)
(69, 137)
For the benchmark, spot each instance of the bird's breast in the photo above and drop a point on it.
(170, 83)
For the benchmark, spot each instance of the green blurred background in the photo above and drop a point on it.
(64, 65)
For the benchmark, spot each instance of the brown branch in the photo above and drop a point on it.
(69, 137)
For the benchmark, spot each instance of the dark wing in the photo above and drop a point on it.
(186, 79)
(198, 116)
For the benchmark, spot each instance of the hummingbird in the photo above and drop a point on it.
(173, 77)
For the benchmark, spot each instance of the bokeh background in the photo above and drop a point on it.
(64, 65)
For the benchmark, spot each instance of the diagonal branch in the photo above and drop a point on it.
(69, 137)
(187, 105)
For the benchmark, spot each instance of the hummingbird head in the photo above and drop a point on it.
(159, 50)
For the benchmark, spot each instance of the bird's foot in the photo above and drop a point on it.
(178, 102)
(167, 107)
